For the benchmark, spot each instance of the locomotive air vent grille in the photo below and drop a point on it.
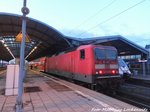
(32, 89)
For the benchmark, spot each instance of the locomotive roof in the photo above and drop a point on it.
(92, 45)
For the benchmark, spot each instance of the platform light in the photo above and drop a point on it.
(35, 47)
(122, 52)
(2, 41)
(10, 52)
(31, 52)
(6, 46)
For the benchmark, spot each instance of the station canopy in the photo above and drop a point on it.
(47, 41)
(124, 46)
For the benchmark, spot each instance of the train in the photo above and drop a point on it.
(94, 65)
(124, 70)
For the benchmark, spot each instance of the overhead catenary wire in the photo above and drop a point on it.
(110, 18)
(95, 14)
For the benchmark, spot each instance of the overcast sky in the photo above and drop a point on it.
(90, 18)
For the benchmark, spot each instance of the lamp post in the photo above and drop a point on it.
(19, 103)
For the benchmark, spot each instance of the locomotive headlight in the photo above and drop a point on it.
(96, 72)
(100, 72)
(113, 71)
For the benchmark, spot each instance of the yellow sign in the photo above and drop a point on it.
(19, 38)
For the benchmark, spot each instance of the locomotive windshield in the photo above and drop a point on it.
(105, 54)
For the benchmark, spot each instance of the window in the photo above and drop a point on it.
(111, 54)
(105, 54)
(82, 54)
(99, 53)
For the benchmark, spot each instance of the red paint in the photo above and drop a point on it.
(72, 63)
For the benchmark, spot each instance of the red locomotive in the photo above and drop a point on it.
(92, 64)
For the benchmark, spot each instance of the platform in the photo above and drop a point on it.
(44, 94)
(142, 77)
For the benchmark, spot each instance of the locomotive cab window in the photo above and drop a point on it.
(82, 54)
(105, 54)
(111, 54)
(99, 53)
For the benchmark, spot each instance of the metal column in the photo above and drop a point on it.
(19, 103)
(143, 63)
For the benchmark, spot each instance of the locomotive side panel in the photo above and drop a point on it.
(84, 64)
(64, 65)
(60, 65)
(76, 65)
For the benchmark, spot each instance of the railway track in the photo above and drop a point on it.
(141, 101)
(136, 92)
(140, 82)
(137, 95)
(134, 99)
